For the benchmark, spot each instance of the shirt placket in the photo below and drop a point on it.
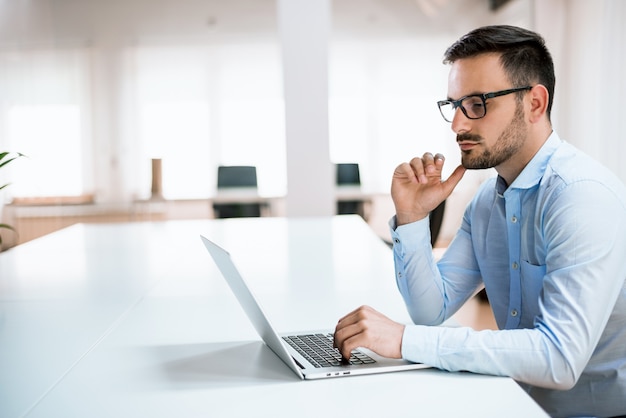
(513, 210)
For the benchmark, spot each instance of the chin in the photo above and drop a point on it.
(475, 165)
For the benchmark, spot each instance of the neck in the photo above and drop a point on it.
(512, 168)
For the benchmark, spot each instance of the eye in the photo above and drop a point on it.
(474, 106)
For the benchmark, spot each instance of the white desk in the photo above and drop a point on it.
(135, 320)
(241, 195)
(274, 205)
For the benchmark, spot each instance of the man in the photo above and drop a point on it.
(546, 238)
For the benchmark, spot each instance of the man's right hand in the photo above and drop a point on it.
(417, 187)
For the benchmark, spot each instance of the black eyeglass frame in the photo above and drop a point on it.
(457, 103)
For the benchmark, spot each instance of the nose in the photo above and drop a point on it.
(460, 122)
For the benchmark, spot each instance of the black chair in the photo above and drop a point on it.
(436, 219)
(236, 176)
(348, 174)
(233, 178)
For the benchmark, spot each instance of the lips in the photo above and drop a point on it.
(466, 146)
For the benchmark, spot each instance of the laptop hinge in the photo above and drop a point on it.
(297, 362)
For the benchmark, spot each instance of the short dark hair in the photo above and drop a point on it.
(523, 54)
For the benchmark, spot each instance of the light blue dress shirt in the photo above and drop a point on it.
(551, 251)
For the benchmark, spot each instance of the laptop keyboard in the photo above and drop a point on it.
(319, 351)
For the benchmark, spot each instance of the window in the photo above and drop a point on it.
(44, 115)
(201, 107)
(383, 108)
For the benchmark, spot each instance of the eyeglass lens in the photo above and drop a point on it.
(473, 107)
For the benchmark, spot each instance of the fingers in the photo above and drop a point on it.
(428, 167)
(454, 179)
(428, 161)
(365, 327)
(347, 340)
(439, 160)
(420, 169)
(347, 329)
(434, 164)
(345, 319)
(417, 187)
(405, 173)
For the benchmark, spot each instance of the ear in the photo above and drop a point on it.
(538, 103)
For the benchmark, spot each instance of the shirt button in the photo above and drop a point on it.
(514, 219)
(396, 240)
(514, 312)
(514, 265)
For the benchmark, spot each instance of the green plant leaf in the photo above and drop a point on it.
(3, 156)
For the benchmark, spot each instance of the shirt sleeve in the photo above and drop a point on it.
(433, 291)
(584, 277)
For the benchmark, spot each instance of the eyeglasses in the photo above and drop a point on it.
(474, 106)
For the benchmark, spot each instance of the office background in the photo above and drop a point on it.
(92, 91)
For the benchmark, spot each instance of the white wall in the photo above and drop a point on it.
(586, 39)
(305, 34)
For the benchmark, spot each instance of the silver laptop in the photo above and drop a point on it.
(310, 354)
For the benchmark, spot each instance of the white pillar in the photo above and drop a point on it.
(304, 27)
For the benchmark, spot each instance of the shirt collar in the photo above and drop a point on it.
(533, 172)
